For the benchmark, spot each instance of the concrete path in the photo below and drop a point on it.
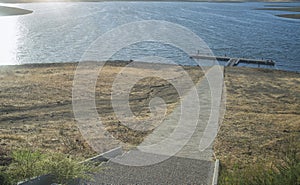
(174, 170)
(153, 161)
(209, 93)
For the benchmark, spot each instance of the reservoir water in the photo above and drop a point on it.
(61, 32)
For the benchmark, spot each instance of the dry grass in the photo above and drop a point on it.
(262, 117)
(262, 110)
(36, 104)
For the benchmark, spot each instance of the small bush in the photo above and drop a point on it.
(27, 164)
(279, 174)
(65, 169)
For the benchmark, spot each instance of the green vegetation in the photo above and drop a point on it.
(27, 164)
(286, 173)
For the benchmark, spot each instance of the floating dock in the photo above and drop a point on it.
(234, 61)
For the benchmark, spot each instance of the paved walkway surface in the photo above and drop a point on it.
(174, 170)
(191, 164)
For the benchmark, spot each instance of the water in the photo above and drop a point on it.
(61, 32)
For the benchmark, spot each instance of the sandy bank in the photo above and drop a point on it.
(6, 11)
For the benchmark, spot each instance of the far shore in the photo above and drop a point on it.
(291, 16)
(6, 11)
(284, 8)
(225, 1)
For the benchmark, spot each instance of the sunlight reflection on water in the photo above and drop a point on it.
(61, 32)
(9, 34)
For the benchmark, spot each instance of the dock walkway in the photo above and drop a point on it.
(231, 61)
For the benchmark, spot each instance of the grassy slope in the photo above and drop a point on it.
(262, 113)
(36, 105)
(262, 117)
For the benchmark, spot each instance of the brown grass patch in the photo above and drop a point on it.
(36, 104)
(262, 116)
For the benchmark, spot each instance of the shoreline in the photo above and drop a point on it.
(290, 16)
(125, 62)
(293, 9)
